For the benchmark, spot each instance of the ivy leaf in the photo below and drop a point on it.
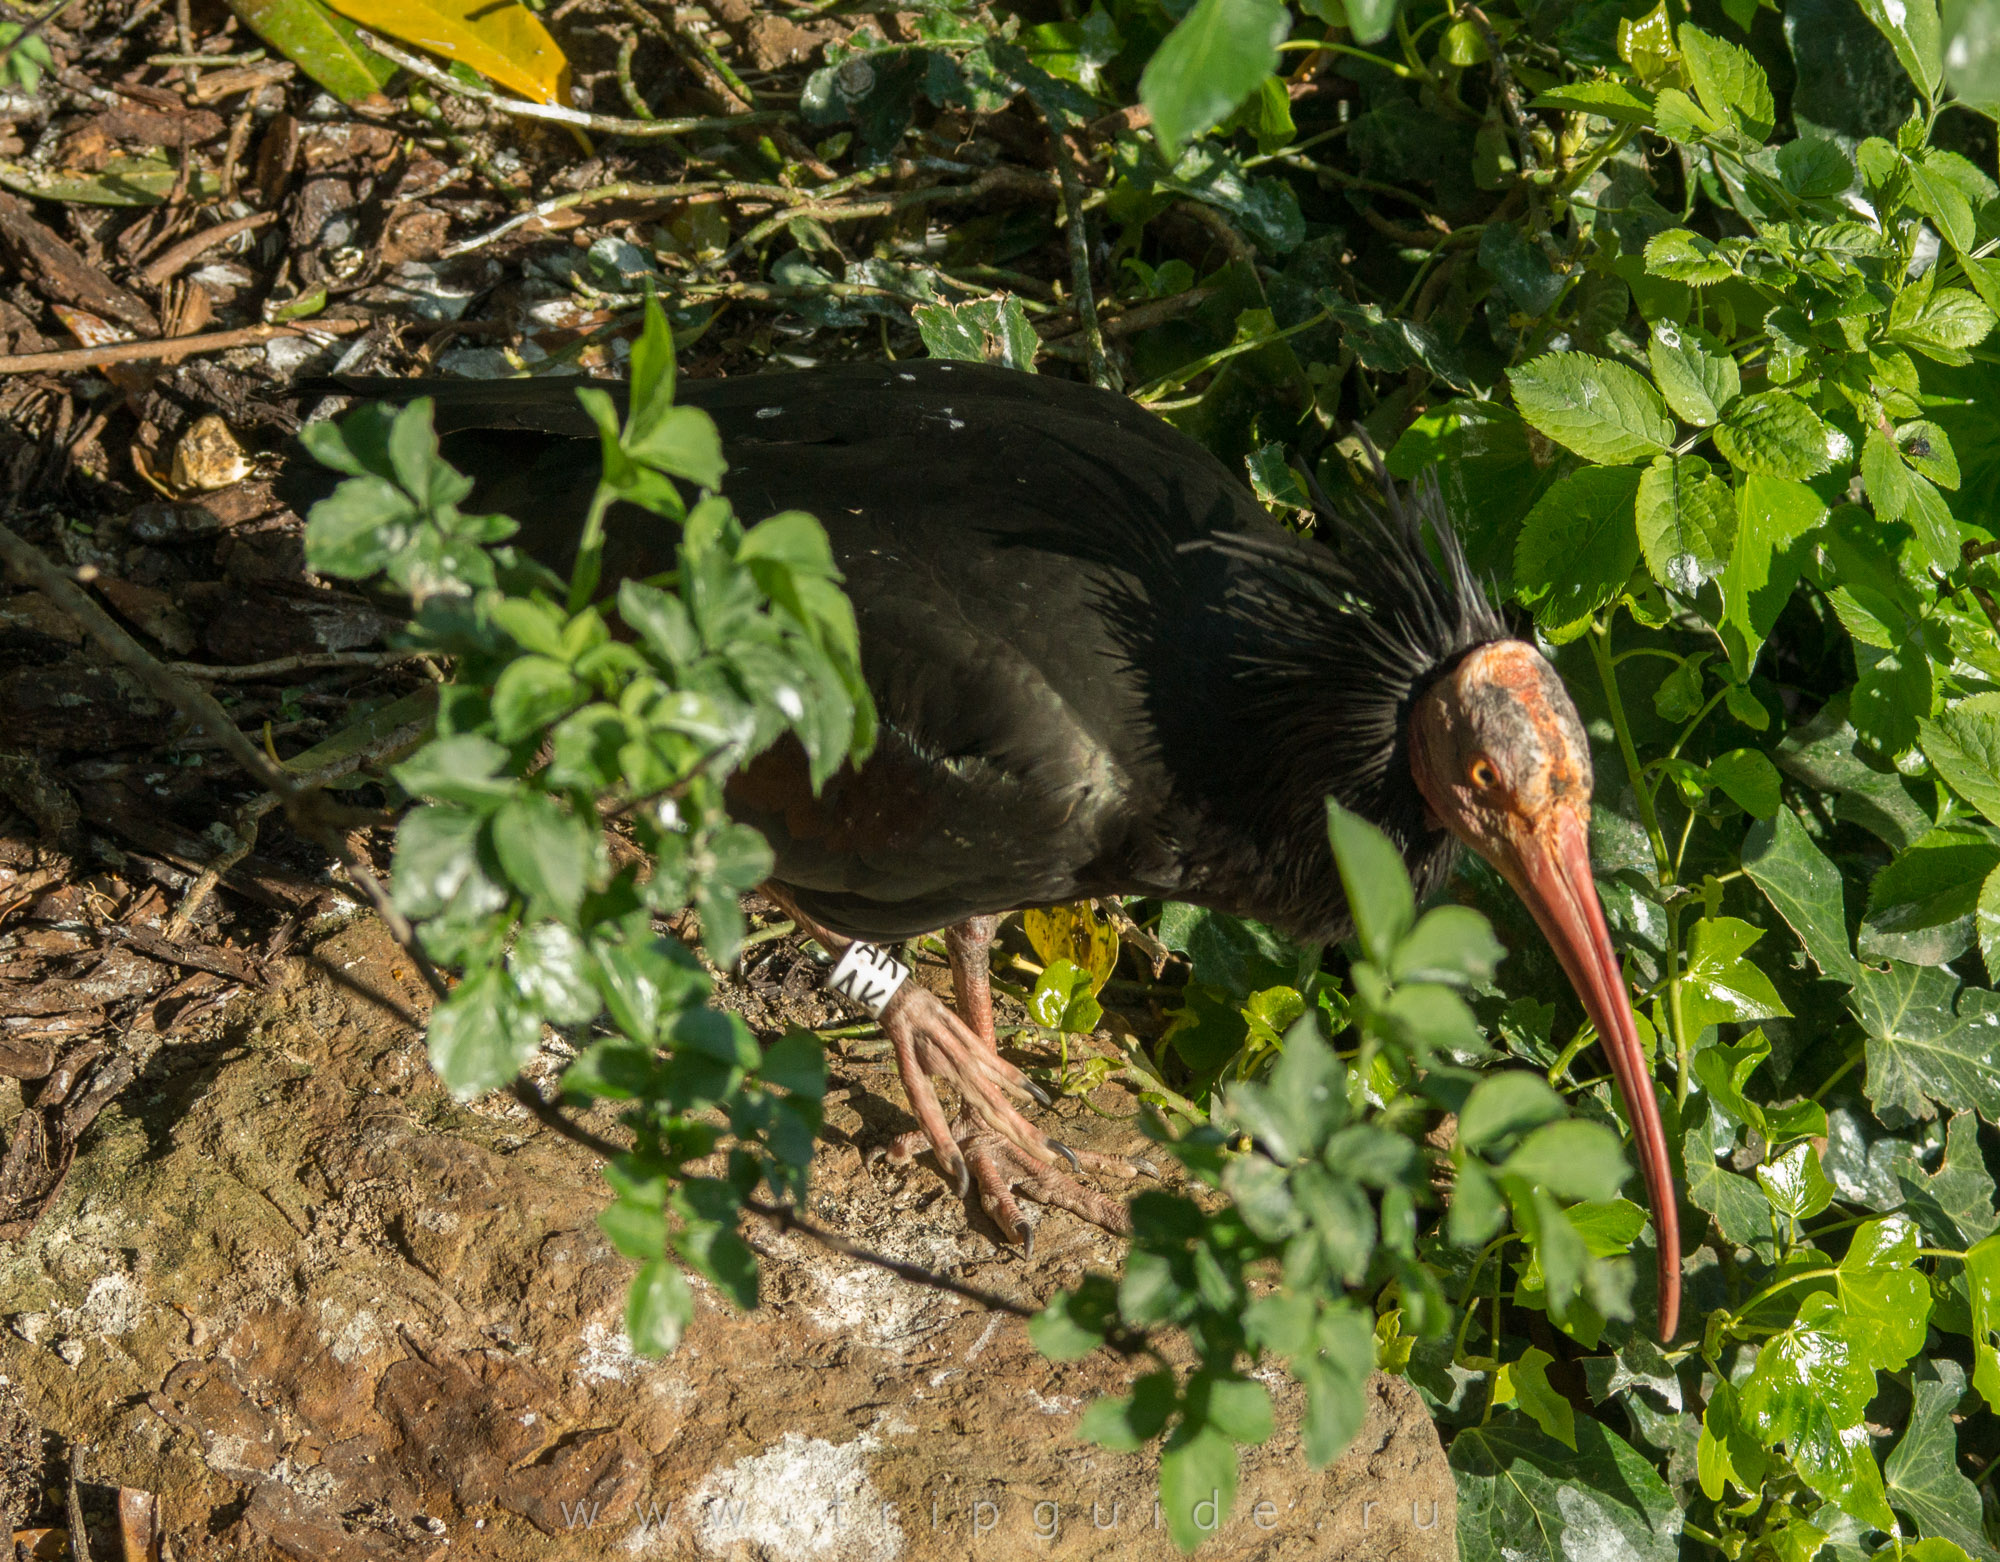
(1526, 1383)
(1885, 1298)
(1986, 921)
(1686, 519)
(1524, 1497)
(1930, 1043)
(1719, 984)
(1810, 1390)
(1775, 433)
(1982, 1278)
(1795, 1183)
(1741, 1211)
(1578, 547)
(1954, 1204)
(1729, 1450)
(1602, 410)
(1804, 888)
(1920, 907)
(1922, 1474)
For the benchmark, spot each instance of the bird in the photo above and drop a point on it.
(1100, 668)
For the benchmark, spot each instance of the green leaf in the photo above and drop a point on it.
(1695, 373)
(323, 45)
(1526, 1383)
(1921, 906)
(1197, 1482)
(1610, 99)
(1804, 888)
(1578, 547)
(1719, 984)
(1954, 1204)
(1302, 1101)
(1741, 1211)
(1602, 410)
(546, 852)
(1795, 1183)
(1749, 779)
(1686, 519)
(1239, 1408)
(464, 768)
(1573, 1159)
(1524, 1497)
(1963, 743)
(1680, 255)
(1772, 514)
(1943, 326)
(1930, 1044)
(1450, 944)
(1215, 57)
(1506, 1102)
(480, 1035)
(1814, 167)
(1911, 26)
(1884, 1299)
(1922, 1474)
(1982, 1275)
(1774, 433)
(1810, 1390)
(1728, 1450)
(1376, 882)
(658, 1308)
(1063, 999)
(1730, 83)
(985, 330)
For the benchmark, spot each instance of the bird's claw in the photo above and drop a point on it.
(1065, 1152)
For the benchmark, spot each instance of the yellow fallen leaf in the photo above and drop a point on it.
(1074, 933)
(505, 42)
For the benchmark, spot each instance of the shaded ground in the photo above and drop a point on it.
(324, 1312)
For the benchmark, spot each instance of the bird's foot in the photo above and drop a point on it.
(999, 1170)
(931, 1042)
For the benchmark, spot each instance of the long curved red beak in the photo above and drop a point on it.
(1553, 858)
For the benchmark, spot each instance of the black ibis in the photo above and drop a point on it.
(1101, 669)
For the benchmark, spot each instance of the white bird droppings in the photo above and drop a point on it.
(770, 412)
(803, 1498)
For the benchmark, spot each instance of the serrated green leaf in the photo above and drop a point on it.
(1963, 743)
(1774, 433)
(1695, 373)
(1578, 547)
(1686, 519)
(1602, 410)
(1213, 59)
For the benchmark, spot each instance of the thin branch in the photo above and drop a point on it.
(189, 250)
(172, 349)
(609, 124)
(1101, 374)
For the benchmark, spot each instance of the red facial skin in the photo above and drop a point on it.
(1500, 757)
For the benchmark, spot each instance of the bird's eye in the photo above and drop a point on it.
(1484, 776)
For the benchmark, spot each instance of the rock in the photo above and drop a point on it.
(325, 1312)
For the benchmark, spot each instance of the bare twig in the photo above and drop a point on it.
(610, 124)
(172, 349)
(693, 191)
(311, 661)
(189, 250)
(1101, 373)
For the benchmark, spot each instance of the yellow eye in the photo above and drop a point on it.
(1484, 776)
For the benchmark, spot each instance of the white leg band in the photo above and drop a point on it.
(869, 975)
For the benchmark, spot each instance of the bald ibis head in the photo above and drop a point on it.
(1501, 760)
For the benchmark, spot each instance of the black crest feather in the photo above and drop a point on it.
(1351, 629)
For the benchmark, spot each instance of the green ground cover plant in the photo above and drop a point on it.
(1694, 329)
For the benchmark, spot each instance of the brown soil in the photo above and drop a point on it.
(327, 1313)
